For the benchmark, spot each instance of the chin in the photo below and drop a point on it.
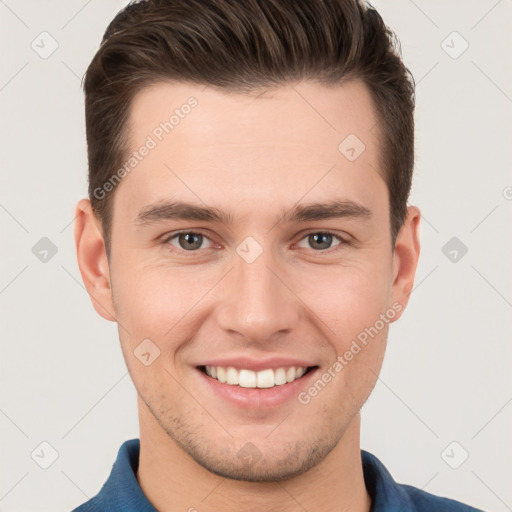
(254, 462)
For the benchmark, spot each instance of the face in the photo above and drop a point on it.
(248, 245)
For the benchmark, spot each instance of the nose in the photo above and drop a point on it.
(259, 302)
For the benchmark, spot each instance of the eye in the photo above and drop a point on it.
(186, 240)
(192, 241)
(322, 240)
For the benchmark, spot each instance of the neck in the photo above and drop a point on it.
(172, 481)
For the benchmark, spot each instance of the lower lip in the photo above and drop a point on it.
(259, 398)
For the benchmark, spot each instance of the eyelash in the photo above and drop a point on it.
(343, 242)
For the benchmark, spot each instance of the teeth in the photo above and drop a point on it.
(250, 379)
(265, 379)
(221, 374)
(231, 376)
(280, 377)
(247, 379)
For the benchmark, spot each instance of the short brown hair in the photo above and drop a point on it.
(242, 46)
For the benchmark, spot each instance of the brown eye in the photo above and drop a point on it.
(189, 241)
(322, 240)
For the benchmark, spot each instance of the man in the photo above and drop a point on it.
(248, 229)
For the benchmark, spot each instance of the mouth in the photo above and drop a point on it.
(262, 379)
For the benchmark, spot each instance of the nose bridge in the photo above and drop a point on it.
(257, 304)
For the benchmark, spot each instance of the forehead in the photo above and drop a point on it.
(273, 145)
(267, 116)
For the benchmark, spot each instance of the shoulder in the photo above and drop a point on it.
(426, 502)
(121, 491)
(388, 495)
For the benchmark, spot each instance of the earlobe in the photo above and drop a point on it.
(92, 259)
(405, 257)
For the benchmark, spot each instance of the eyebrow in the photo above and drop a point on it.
(179, 210)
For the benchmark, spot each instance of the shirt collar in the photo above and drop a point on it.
(122, 492)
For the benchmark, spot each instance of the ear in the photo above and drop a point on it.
(405, 258)
(92, 259)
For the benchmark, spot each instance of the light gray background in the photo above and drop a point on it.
(447, 371)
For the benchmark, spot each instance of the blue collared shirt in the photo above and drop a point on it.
(121, 492)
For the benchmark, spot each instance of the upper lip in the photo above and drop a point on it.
(250, 363)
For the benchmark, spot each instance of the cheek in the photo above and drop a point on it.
(151, 300)
(348, 299)
(356, 311)
(166, 306)
(158, 301)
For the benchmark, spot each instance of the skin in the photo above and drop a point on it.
(253, 156)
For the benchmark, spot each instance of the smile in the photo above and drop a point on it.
(255, 379)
